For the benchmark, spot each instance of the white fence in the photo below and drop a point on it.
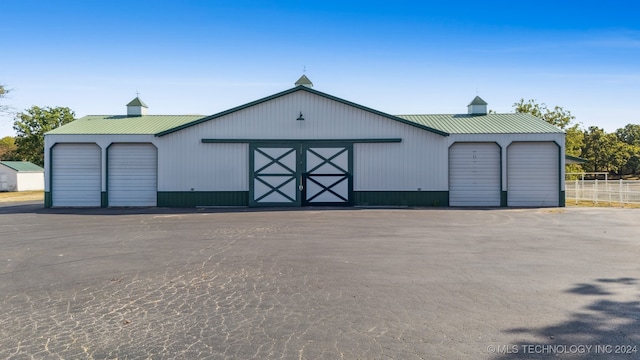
(608, 191)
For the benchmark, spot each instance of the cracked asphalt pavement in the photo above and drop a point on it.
(314, 283)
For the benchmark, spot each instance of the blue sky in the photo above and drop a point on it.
(400, 57)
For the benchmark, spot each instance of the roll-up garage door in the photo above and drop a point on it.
(75, 170)
(474, 174)
(132, 175)
(533, 174)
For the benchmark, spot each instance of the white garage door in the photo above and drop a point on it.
(75, 170)
(132, 175)
(474, 174)
(533, 174)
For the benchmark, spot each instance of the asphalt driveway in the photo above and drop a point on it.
(319, 283)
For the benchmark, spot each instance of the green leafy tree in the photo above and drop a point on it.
(619, 154)
(8, 148)
(605, 152)
(630, 135)
(557, 116)
(632, 166)
(574, 140)
(595, 148)
(32, 124)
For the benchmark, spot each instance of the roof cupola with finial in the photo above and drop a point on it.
(136, 107)
(477, 106)
(304, 81)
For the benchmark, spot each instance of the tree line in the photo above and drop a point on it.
(616, 153)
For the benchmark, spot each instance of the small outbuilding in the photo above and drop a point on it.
(303, 147)
(20, 176)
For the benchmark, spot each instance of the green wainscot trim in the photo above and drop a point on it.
(563, 199)
(48, 201)
(104, 199)
(503, 199)
(202, 198)
(401, 198)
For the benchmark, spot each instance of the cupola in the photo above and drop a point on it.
(136, 107)
(477, 107)
(304, 81)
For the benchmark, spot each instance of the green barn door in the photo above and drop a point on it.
(295, 174)
(327, 177)
(274, 175)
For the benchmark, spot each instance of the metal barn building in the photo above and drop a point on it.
(303, 147)
(21, 176)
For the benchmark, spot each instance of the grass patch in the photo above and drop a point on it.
(603, 204)
(21, 196)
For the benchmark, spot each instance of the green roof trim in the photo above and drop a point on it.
(484, 124)
(137, 102)
(307, 141)
(123, 124)
(22, 166)
(574, 159)
(477, 101)
(309, 90)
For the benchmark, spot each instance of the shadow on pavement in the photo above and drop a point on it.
(38, 208)
(610, 327)
(21, 207)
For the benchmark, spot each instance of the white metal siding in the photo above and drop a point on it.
(210, 167)
(533, 174)
(76, 175)
(28, 181)
(8, 179)
(132, 175)
(474, 174)
(418, 162)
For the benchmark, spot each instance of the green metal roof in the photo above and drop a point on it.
(484, 124)
(445, 124)
(122, 124)
(22, 166)
(137, 102)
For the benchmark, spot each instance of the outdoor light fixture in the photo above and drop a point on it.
(300, 118)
